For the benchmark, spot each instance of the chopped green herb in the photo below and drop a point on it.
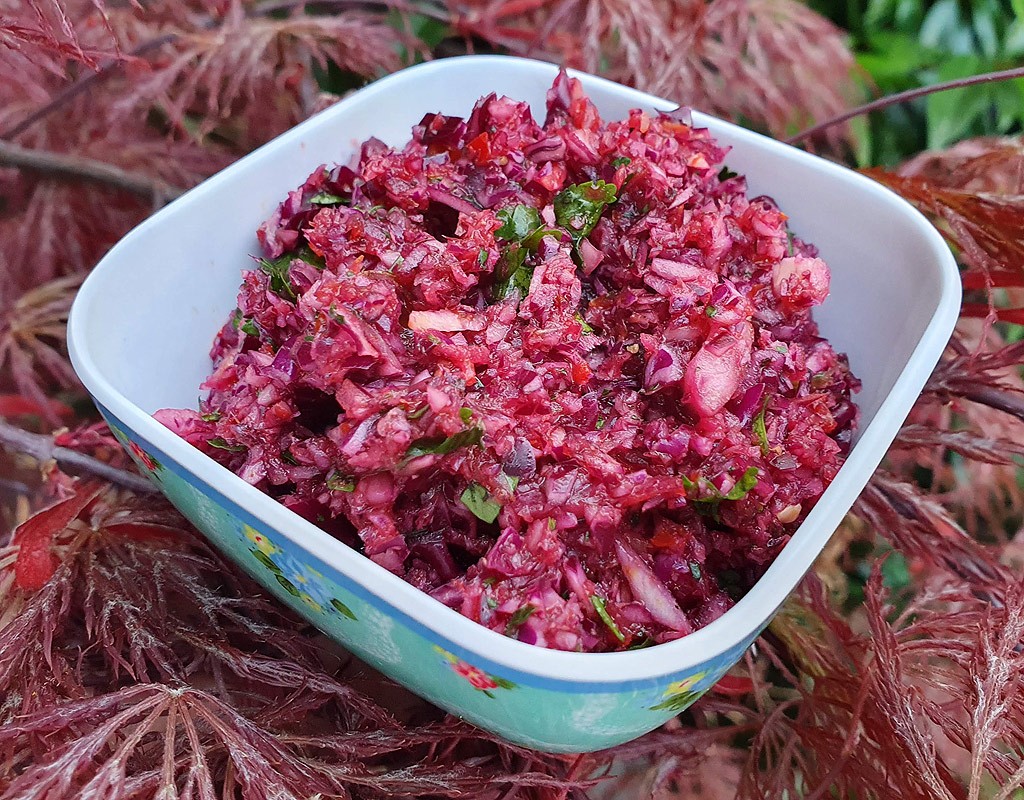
(236, 318)
(491, 602)
(249, 328)
(309, 338)
(278, 269)
(221, 444)
(647, 641)
(726, 174)
(583, 324)
(288, 458)
(789, 243)
(441, 446)
(482, 257)
(600, 423)
(517, 223)
(510, 482)
(551, 523)
(465, 414)
(695, 570)
(337, 482)
(711, 311)
(579, 207)
(213, 416)
(621, 161)
(477, 500)
(606, 618)
(744, 484)
(516, 621)
(760, 430)
(419, 412)
(327, 199)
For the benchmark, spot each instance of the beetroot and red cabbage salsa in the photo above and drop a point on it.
(564, 378)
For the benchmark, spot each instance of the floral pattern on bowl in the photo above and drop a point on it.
(478, 679)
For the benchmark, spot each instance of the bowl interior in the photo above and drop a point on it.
(185, 266)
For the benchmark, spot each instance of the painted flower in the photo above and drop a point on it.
(679, 695)
(147, 460)
(260, 542)
(300, 581)
(478, 679)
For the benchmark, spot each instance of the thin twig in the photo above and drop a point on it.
(42, 449)
(1012, 402)
(68, 167)
(903, 97)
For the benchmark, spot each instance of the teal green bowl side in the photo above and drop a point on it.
(522, 708)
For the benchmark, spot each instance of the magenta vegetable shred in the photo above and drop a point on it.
(563, 378)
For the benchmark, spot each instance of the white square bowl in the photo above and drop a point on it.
(142, 325)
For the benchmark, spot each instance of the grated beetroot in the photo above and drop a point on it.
(563, 378)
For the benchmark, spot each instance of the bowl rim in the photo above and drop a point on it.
(469, 638)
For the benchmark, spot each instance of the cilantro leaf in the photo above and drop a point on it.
(441, 446)
(278, 269)
(517, 222)
(249, 328)
(606, 618)
(337, 482)
(327, 199)
(222, 444)
(213, 416)
(761, 431)
(621, 161)
(743, 486)
(477, 500)
(516, 620)
(579, 207)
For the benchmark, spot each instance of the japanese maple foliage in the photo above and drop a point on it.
(136, 663)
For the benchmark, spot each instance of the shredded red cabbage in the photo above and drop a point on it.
(563, 378)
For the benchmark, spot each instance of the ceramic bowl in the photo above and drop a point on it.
(142, 325)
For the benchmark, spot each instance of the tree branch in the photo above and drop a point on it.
(68, 167)
(903, 97)
(42, 449)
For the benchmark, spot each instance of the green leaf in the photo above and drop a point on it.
(441, 446)
(477, 500)
(695, 570)
(336, 482)
(956, 113)
(579, 207)
(327, 199)
(465, 414)
(249, 328)
(213, 416)
(264, 559)
(761, 431)
(621, 161)
(221, 444)
(606, 618)
(725, 174)
(517, 222)
(743, 485)
(288, 458)
(516, 621)
(278, 269)
(417, 413)
(342, 609)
